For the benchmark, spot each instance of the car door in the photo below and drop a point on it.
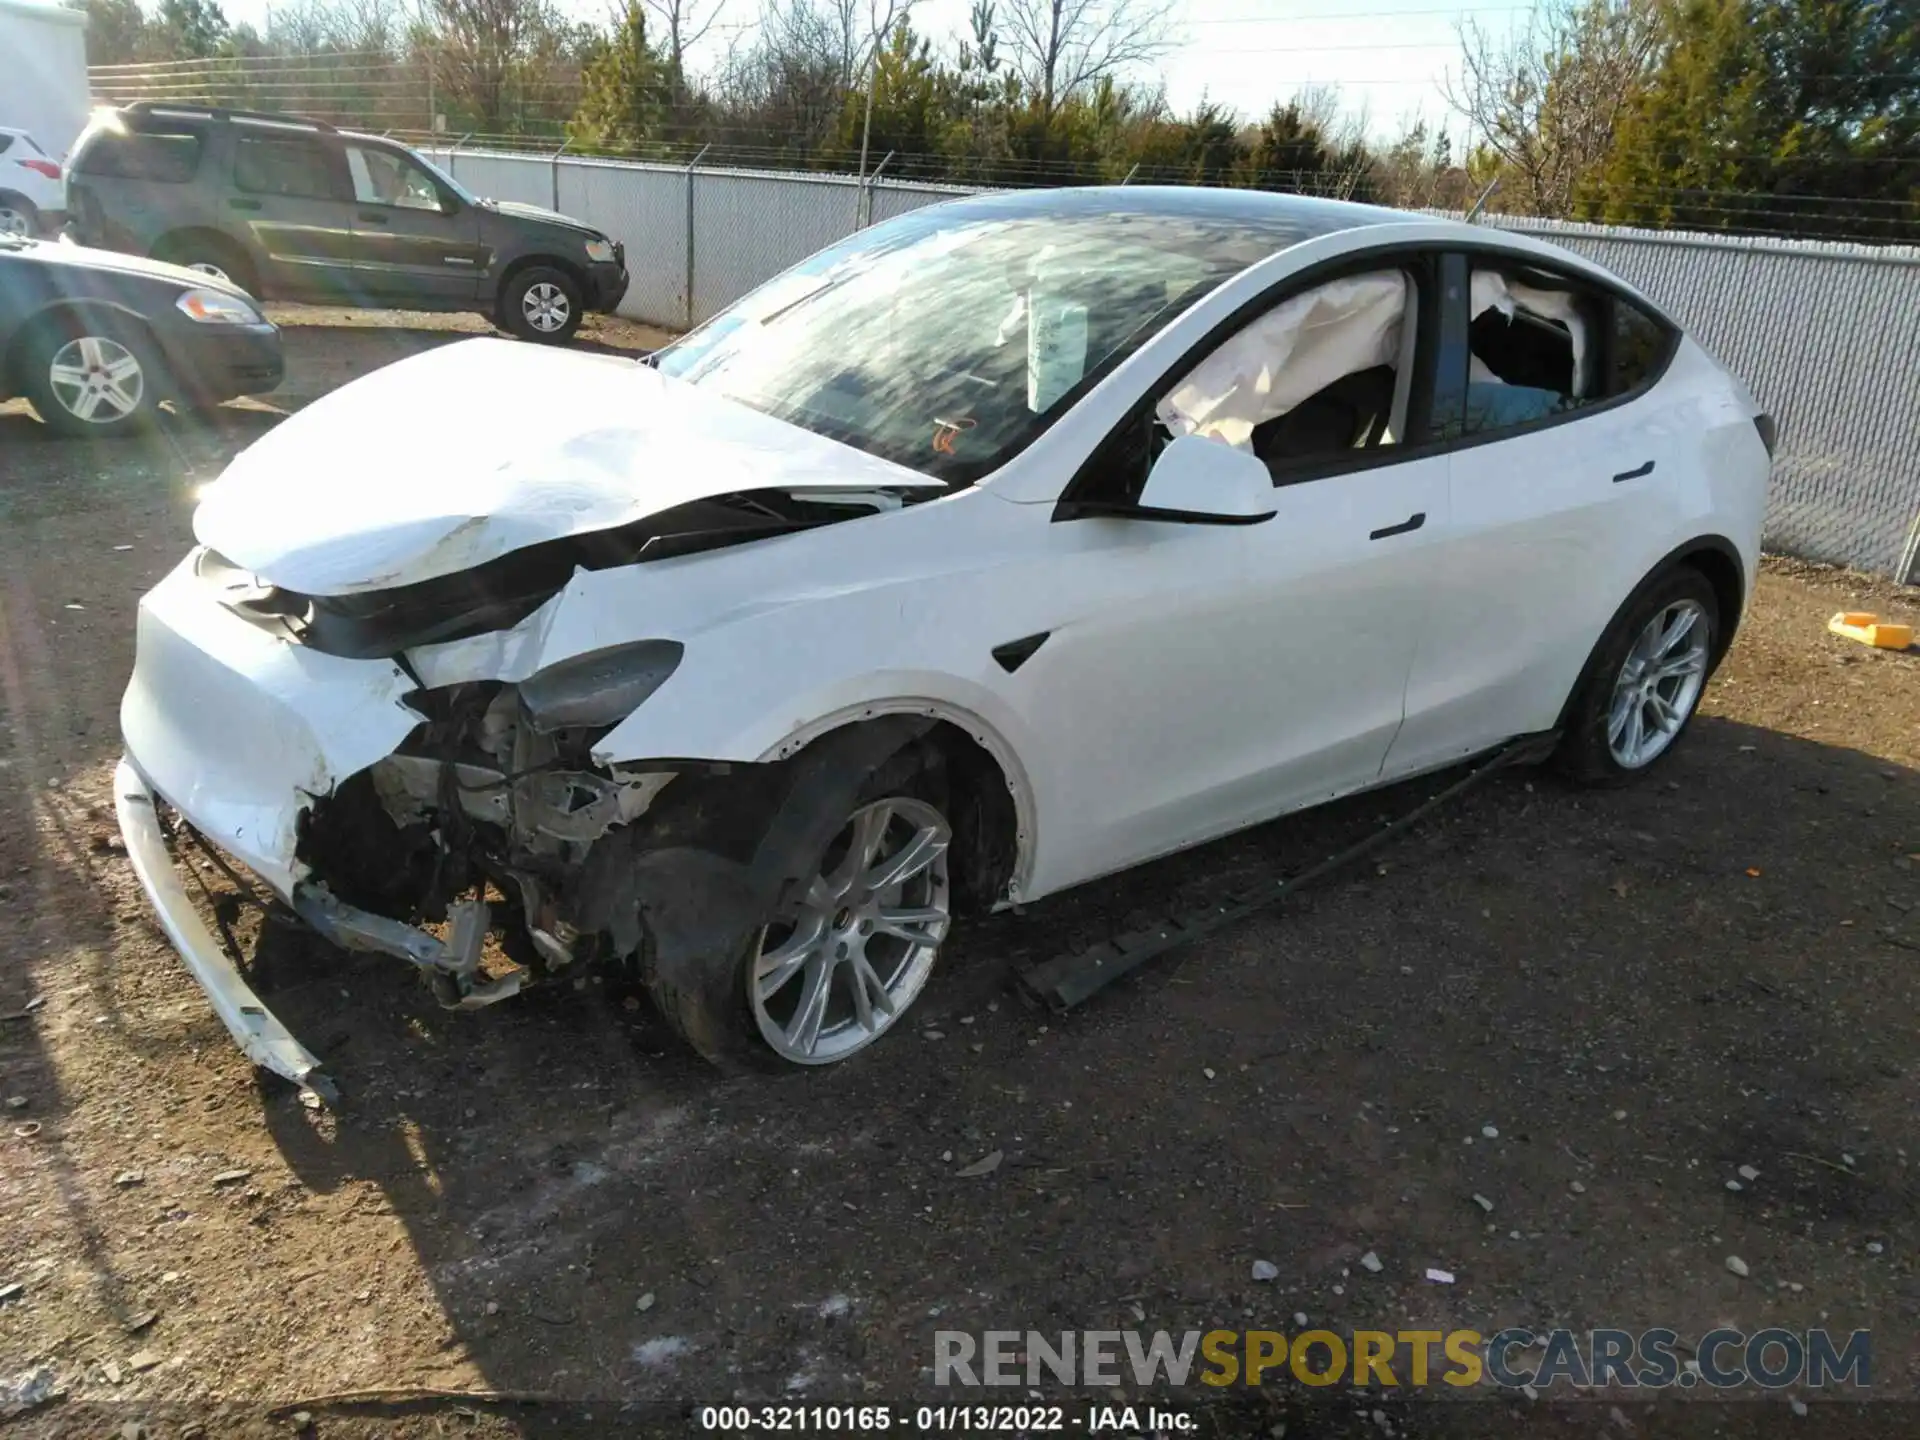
(413, 240)
(290, 196)
(1227, 674)
(1556, 488)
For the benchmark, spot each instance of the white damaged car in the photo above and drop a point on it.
(1004, 545)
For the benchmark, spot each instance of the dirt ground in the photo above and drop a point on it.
(1641, 991)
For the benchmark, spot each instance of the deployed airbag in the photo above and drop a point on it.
(1294, 351)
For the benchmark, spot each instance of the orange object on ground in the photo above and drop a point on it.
(1870, 629)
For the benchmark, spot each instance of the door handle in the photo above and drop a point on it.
(373, 217)
(1411, 523)
(1644, 470)
(236, 203)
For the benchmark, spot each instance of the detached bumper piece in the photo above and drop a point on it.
(451, 966)
(267, 1042)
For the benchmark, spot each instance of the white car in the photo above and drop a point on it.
(33, 190)
(1004, 545)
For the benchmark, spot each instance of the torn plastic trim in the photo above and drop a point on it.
(255, 1029)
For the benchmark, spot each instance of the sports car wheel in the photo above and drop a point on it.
(1645, 680)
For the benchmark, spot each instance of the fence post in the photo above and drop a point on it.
(453, 155)
(863, 197)
(694, 165)
(556, 170)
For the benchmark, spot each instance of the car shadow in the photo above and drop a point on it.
(603, 1218)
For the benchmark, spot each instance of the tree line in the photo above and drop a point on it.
(1756, 116)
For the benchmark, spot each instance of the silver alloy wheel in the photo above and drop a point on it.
(845, 970)
(207, 267)
(14, 222)
(545, 306)
(96, 379)
(1658, 685)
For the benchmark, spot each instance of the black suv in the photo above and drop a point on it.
(293, 209)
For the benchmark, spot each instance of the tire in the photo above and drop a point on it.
(1644, 680)
(76, 373)
(212, 256)
(542, 304)
(744, 1018)
(18, 215)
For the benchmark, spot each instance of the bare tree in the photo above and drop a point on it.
(685, 24)
(1546, 100)
(488, 56)
(1062, 48)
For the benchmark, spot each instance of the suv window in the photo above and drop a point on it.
(1640, 345)
(1318, 376)
(289, 165)
(389, 177)
(1541, 344)
(169, 156)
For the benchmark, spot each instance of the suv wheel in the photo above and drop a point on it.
(1644, 682)
(91, 380)
(541, 304)
(210, 257)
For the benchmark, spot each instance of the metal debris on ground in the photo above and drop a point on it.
(1439, 1277)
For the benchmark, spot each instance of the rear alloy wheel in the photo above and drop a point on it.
(215, 258)
(840, 975)
(18, 216)
(1644, 682)
(92, 383)
(542, 304)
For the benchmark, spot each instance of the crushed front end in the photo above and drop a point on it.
(448, 827)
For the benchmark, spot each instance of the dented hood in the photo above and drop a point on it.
(456, 456)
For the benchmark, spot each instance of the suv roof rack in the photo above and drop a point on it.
(220, 112)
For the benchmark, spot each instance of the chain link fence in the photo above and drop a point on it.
(1823, 333)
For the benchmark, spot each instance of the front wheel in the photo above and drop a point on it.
(1645, 682)
(827, 982)
(88, 379)
(542, 304)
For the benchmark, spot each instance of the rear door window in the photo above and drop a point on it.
(169, 156)
(288, 165)
(1542, 344)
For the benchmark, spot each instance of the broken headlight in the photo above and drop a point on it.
(600, 687)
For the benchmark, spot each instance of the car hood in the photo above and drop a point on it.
(539, 212)
(86, 257)
(462, 454)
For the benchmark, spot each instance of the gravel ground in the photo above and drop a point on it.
(1640, 991)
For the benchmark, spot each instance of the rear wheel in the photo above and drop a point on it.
(211, 256)
(827, 982)
(18, 215)
(86, 378)
(542, 304)
(1645, 681)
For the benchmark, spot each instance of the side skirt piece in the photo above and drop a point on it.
(1069, 980)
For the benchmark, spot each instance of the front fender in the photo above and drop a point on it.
(700, 716)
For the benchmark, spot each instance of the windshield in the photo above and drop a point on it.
(948, 339)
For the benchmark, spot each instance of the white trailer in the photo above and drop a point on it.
(43, 72)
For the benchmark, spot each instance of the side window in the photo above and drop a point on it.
(1639, 345)
(171, 157)
(387, 177)
(1320, 375)
(286, 165)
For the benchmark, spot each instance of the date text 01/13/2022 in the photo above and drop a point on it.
(937, 1419)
